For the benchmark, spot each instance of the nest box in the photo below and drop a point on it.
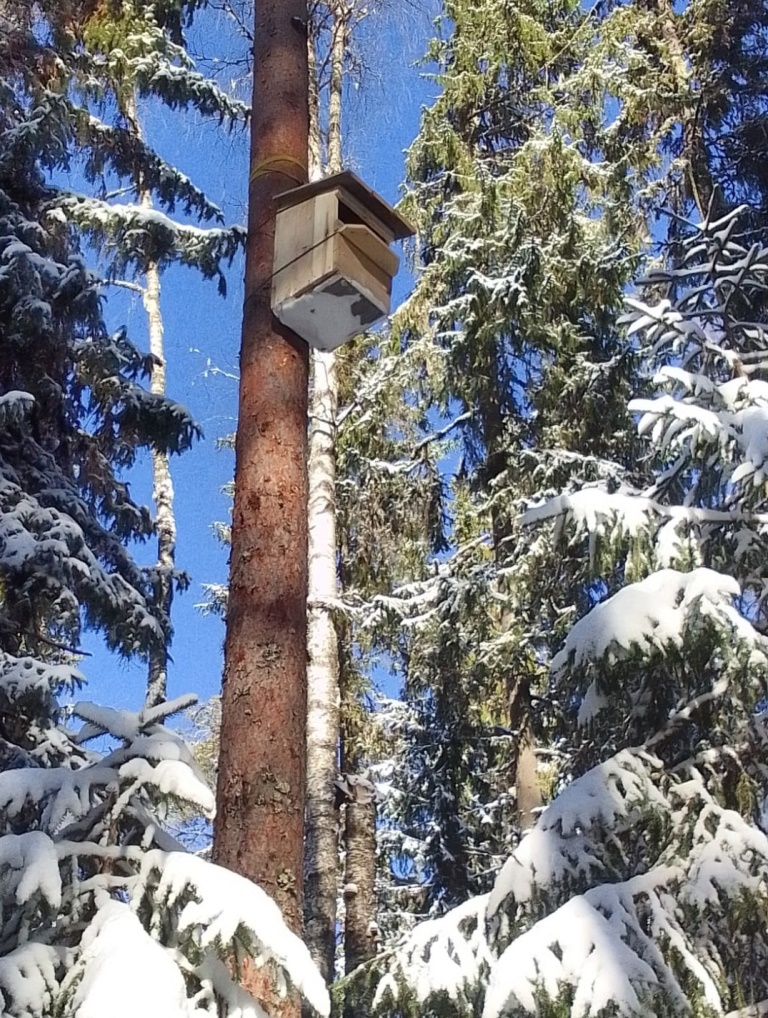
(333, 270)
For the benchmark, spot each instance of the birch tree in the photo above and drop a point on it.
(333, 27)
(162, 483)
(138, 33)
(321, 861)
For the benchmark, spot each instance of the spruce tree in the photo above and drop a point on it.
(537, 179)
(526, 248)
(143, 33)
(638, 890)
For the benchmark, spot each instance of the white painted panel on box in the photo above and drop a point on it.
(331, 315)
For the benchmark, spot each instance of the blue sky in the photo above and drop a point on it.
(202, 330)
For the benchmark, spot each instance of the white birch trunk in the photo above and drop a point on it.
(162, 485)
(162, 488)
(321, 865)
(321, 845)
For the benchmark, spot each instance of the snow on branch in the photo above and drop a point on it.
(442, 961)
(214, 907)
(653, 615)
(576, 947)
(136, 235)
(37, 537)
(646, 944)
(28, 981)
(568, 847)
(158, 66)
(15, 407)
(122, 971)
(595, 511)
(127, 152)
(132, 925)
(182, 86)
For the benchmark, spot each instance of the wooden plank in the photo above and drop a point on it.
(363, 213)
(362, 272)
(312, 245)
(303, 253)
(324, 225)
(396, 224)
(372, 247)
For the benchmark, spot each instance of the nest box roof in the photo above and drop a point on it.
(351, 183)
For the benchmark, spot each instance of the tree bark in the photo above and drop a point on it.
(162, 491)
(322, 857)
(360, 929)
(260, 793)
(323, 672)
(361, 938)
(528, 797)
(315, 148)
(162, 484)
(341, 16)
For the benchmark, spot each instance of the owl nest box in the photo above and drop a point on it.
(333, 269)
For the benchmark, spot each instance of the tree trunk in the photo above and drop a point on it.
(528, 797)
(322, 861)
(323, 672)
(360, 905)
(341, 15)
(360, 929)
(315, 148)
(259, 829)
(162, 491)
(162, 484)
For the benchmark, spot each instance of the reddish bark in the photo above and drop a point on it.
(260, 795)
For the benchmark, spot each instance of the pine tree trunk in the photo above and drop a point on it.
(259, 828)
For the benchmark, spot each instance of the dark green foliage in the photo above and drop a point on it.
(76, 415)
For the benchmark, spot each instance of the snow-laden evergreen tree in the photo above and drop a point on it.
(536, 181)
(144, 36)
(133, 54)
(526, 248)
(128, 53)
(102, 911)
(640, 889)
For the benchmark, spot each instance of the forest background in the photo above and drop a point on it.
(547, 477)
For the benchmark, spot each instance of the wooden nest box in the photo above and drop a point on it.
(333, 267)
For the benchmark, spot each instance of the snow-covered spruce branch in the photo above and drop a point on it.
(591, 508)
(415, 460)
(158, 66)
(135, 235)
(178, 917)
(603, 948)
(122, 151)
(392, 372)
